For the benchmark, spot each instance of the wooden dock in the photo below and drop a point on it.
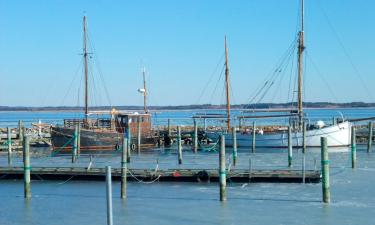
(164, 175)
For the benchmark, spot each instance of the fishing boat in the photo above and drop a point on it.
(107, 130)
(337, 134)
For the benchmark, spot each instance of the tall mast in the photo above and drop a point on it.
(301, 48)
(86, 70)
(227, 84)
(145, 88)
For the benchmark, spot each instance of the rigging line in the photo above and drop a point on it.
(321, 75)
(289, 96)
(79, 91)
(71, 83)
(212, 74)
(345, 51)
(217, 83)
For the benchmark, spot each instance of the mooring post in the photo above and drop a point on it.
(195, 136)
(250, 169)
(204, 124)
(290, 147)
(169, 128)
(26, 166)
(109, 195)
(129, 135)
(304, 152)
(39, 128)
(369, 143)
(79, 141)
(222, 170)
(254, 136)
(139, 136)
(124, 167)
(240, 123)
(234, 146)
(354, 148)
(179, 144)
(20, 131)
(9, 137)
(75, 144)
(325, 171)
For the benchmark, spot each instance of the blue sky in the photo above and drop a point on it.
(180, 43)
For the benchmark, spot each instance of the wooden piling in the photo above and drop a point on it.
(222, 170)
(129, 136)
(26, 166)
(353, 148)
(124, 167)
(9, 140)
(20, 131)
(75, 144)
(325, 171)
(139, 135)
(304, 152)
(254, 136)
(39, 128)
(369, 142)
(169, 128)
(234, 146)
(195, 136)
(179, 144)
(109, 195)
(290, 147)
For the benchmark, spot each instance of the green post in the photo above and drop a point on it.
(354, 148)
(254, 136)
(304, 152)
(195, 136)
(222, 170)
(124, 167)
(9, 136)
(325, 171)
(179, 144)
(26, 166)
(234, 145)
(75, 144)
(290, 147)
(139, 135)
(369, 143)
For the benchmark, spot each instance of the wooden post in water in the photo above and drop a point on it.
(195, 136)
(354, 148)
(179, 144)
(129, 134)
(325, 171)
(304, 152)
(169, 128)
(26, 166)
(222, 170)
(290, 146)
(39, 128)
(109, 195)
(124, 167)
(234, 145)
(369, 143)
(75, 144)
(9, 140)
(20, 131)
(205, 124)
(254, 136)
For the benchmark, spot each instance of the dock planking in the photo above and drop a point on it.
(165, 175)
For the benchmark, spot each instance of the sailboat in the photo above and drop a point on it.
(103, 134)
(338, 135)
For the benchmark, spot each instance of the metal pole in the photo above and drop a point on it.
(9, 146)
(75, 144)
(195, 137)
(124, 167)
(222, 170)
(234, 145)
(290, 147)
(369, 143)
(254, 136)
(109, 195)
(354, 148)
(26, 166)
(139, 135)
(304, 152)
(325, 171)
(179, 145)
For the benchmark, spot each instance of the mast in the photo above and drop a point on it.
(227, 84)
(301, 48)
(145, 92)
(86, 70)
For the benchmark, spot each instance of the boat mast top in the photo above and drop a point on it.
(301, 48)
(85, 56)
(145, 90)
(227, 84)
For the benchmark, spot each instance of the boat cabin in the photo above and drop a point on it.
(133, 121)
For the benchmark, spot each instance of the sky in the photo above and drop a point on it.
(180, 43)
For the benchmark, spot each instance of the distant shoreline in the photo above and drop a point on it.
(307, 105)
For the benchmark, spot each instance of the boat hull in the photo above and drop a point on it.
(337, 136)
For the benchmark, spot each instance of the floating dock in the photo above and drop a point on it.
(165, 175)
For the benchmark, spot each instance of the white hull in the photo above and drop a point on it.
(337, 136)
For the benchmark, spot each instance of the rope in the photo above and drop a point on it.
(56, 151)
(66, 181)
(141, 181)
(209, 149)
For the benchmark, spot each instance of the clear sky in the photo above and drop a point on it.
(180, 42)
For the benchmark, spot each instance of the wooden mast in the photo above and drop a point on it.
(145, 88)
(301, 48)
(227, 84)
(85, 55)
